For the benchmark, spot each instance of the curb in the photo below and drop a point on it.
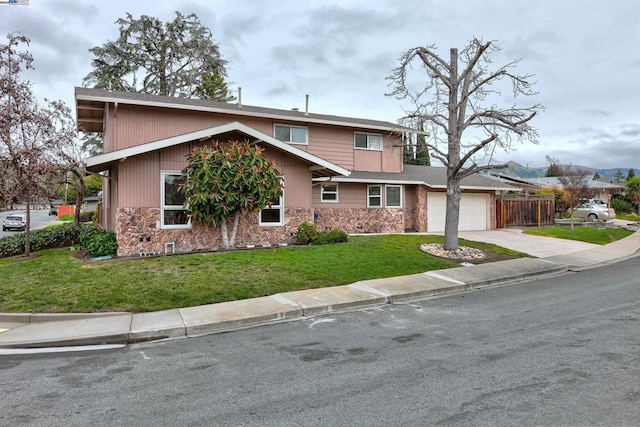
(78, 330)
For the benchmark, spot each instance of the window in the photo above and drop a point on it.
(374, 196)
(272, 215)
(329, 193)
(368, 141)
(393, 195)
(291, 134)
(172, 211)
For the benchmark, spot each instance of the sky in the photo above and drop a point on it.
(585, 55)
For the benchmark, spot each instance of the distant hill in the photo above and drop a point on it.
(516, 169)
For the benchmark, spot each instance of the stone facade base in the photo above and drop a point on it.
(361, 220)
(138, 231)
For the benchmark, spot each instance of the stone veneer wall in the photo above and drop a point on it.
(138, 229)
(361, 220)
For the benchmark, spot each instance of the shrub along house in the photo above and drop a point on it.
(338, 172)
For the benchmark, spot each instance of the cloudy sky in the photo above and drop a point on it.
(585, 55)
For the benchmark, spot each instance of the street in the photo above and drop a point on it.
(39, 218)
(557, 351)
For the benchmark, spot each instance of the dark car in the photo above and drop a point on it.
(53, 211)
(15, 222)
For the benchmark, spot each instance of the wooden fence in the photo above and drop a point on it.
(525, 210)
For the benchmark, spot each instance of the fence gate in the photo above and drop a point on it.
(524, 210)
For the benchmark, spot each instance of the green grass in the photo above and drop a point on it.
(629, 217)
(57, 281)
(599, 236)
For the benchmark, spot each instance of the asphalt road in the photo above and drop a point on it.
(558, 351)
(39, 218)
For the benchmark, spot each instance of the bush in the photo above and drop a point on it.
(331, 236)
(98, 242)
(87, 216)
(306, 233)
(59, 236)
(621, 205)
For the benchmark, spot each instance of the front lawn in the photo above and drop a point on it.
(57, 281)
(599, 236)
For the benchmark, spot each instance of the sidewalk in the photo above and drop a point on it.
(28, 331)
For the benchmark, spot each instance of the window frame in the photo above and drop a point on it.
(386, 196)
(369, 196)
(164, 207)
(323, 192)
(306, 133)
(279, 206)
(368, 147)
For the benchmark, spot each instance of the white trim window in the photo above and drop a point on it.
(374, 196)
(272, 215)
(367, 141)
(393, 196)
(291, 134)
(172, 211)
(329, 193)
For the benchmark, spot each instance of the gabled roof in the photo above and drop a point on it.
(430, 176)
(90, 106)
(320, 166)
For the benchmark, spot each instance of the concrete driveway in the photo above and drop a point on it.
(537, 246)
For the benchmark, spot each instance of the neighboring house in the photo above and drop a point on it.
(595, 189)
(338, 172)
(90, 203)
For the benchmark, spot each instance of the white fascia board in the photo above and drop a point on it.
(370, 180)
(305, 119)
(206, 133)
(476, 188)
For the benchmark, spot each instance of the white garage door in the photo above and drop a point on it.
(474, 211)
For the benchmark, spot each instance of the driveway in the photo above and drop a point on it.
(537, 246)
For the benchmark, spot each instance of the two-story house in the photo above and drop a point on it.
(338, 172)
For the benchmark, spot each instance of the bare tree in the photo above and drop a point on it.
(31, 135)
(575, 182)
(457, 97)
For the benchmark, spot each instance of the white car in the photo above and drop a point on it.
(15, 222)
(594, 212)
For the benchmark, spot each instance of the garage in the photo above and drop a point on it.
(474, 211)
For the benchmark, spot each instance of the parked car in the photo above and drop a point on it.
(15, 222)
(53, 211)
(594, 212)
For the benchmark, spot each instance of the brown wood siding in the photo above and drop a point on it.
(135, 125)
(333, 144)
(350, 196)
(392, 154)
(142, 176)
(409, 195)
(139, 181)
(297, 180)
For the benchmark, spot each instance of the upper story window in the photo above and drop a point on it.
(329, 193)
(368, 141)
(172, 211)
(291, 134)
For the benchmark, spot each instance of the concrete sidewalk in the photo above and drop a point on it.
(24, 331)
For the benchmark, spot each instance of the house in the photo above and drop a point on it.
(595, 189)
(90, 203)
(339, 172)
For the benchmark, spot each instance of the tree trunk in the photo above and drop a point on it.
(80, 190)
(27, 229)
(453, 160)
(224, 232)
(234, 230)
(452, 217)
